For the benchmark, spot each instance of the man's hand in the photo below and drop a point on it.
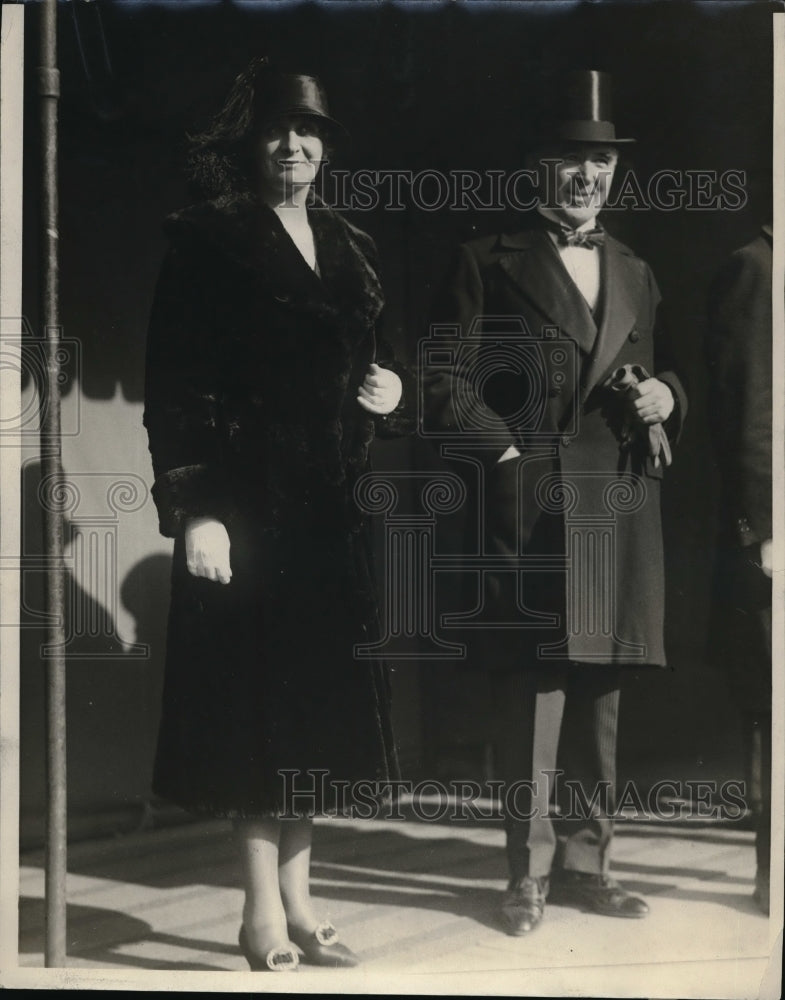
(512, 452)
(207, 549)
(381, 390)
(652, 401)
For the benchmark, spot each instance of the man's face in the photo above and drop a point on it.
(576, 186)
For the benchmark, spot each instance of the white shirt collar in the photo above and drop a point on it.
(548, 213)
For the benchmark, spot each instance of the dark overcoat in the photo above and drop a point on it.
(738, 348)
(569, 533)
(253, 367)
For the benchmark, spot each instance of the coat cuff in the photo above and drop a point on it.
(675, 421)
(402, 421)
(186, 492)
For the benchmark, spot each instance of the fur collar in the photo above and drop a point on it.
(251, 235)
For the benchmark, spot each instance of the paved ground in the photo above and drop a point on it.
(418, 902)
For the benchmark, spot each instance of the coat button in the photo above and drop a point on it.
(565, 440)
(635, 336)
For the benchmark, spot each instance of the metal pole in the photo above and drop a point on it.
(51, 475)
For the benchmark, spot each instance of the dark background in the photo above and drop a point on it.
(419, 86)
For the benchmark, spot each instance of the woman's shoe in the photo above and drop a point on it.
(284, 959)
(322, 947)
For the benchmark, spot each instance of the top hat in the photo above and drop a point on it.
(280, 94)
(583, 111)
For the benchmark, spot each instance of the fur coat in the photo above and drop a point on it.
(253, 366)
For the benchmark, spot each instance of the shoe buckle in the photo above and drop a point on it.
(282, 959)
(326, 934)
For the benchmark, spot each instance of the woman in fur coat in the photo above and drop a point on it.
(264, 391)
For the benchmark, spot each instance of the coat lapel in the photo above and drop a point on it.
(621, 287)
(252, 236)
(347, 263)
(533, 263)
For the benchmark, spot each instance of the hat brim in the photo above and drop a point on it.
(592, 131)
(335, 129)
(596, 142)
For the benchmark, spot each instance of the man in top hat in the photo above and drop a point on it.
(560, 403)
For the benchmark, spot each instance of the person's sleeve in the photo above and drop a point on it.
(402, 421)
(182, 398)
(450, 398)
(667, 366)
(738, 355)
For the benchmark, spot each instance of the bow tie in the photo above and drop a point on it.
(567, 237)
(588, 238)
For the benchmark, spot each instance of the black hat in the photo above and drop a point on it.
(279, 94)
(583, 111)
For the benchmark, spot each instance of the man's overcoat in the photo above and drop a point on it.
(738, 345)
(569, 534)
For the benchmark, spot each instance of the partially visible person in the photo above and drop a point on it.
(738, 351)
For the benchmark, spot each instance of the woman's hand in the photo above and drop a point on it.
(207, 549)
(381, 390)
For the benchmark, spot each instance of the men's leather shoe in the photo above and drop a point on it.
(524, 904)
(599, 893)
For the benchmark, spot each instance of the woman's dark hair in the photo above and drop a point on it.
(220, 159)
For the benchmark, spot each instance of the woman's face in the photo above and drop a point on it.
(290, 153)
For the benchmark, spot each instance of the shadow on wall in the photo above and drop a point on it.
(113, 682)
